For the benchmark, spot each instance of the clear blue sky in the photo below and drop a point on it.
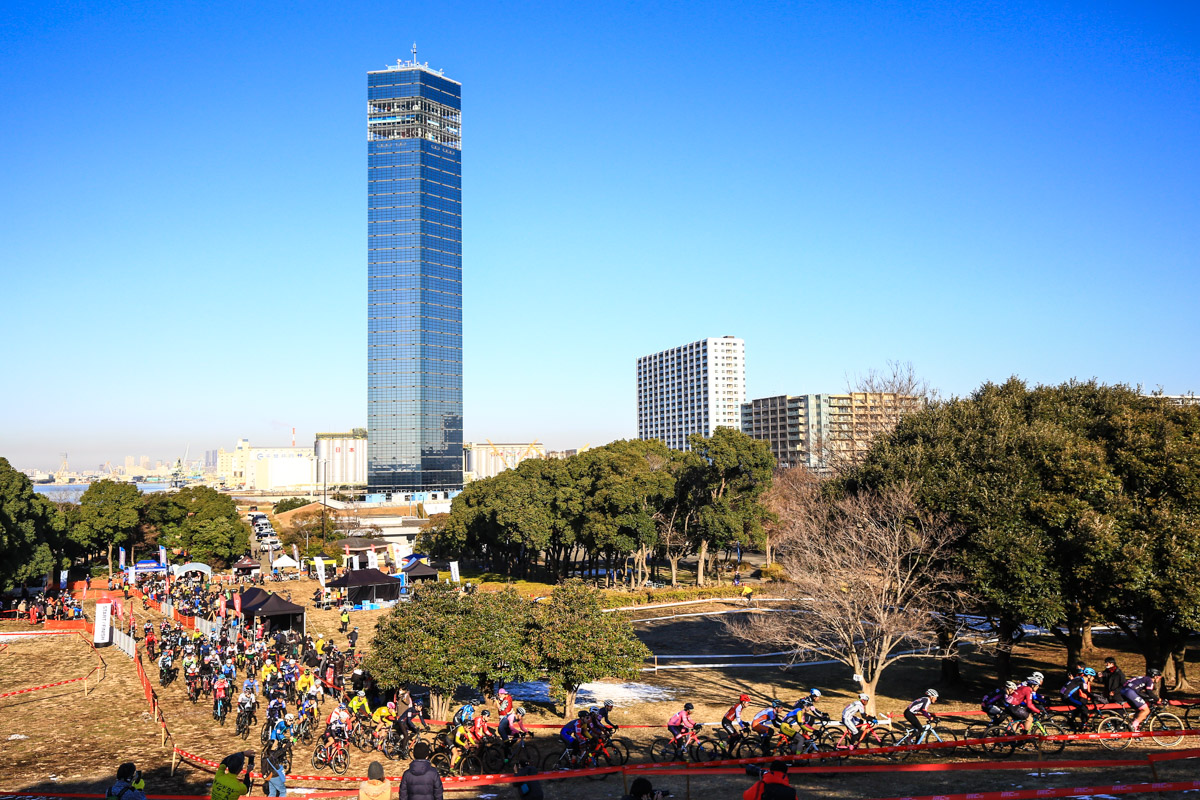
(983, 189)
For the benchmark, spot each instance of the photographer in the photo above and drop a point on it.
(772, 783)
(641, 789)
(226, 783)
(129, 784)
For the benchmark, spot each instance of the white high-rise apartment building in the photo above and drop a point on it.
(694, 388)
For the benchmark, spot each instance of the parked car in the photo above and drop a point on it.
(270, 543)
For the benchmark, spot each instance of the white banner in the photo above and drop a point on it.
(121, 553)
(162, 555)
(395, 548)
(295, 553)
(372, 559)
(454, 571)
(102, 630)
(62, 580)
(320, 570)
(354, 562)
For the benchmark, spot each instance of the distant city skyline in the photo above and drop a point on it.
(981, 190)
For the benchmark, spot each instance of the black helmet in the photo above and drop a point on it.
(688, 706)
(1154, 672)
(582, 714)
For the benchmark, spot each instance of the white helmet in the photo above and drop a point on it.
(932, 693)
(864, 697)
(290, 717)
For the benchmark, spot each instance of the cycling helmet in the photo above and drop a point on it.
(486, 713)
(688, 706)
(468, 709)
(290, 717)
(1154, 672)
(776, 703)
(582, 714)
(1039, 676)
(342, 706)
(391, 706)
(1010, 687)
(418, 702)
(520, 712)
(1034, 680)
(931, 693)
(608, 704)
(361, 693)
(744, 698)
(815, 692)
(1091, 673)
(864, 697)
(594, 709)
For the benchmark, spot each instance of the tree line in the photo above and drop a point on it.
(40, 535)
(614, 506)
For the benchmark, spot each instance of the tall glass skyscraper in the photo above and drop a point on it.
(414, 280)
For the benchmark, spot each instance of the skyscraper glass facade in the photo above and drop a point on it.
(414, 280)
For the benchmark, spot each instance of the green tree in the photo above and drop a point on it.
(725, 478)
(109, 515)
(290, 503)
(216, 542)
(200, 520)
(578, 642)
(443, 640)
(27, 526)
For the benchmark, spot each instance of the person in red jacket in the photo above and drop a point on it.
(772, 785)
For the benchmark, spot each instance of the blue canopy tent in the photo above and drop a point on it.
(148, 566)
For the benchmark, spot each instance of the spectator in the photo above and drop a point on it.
(129, 784)
(641, 789)
(345, 618)
(375, 787)
(420, 780)
(772, 785)
(531, 790)
(274, 785)
(226, 783)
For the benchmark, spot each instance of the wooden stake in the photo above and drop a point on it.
(174, 761)
(688, 786)
(625, 780)
(1153, 770)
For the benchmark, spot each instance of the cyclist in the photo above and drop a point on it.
(464, 715)
(464, 740)
(993, 702)
(383, 718)
(853, 718)
(305, 682)
(480, 729)
(921, 706)
(680, 722)
(281, 733)
(406, 722)
(276, 709)
(1021, 702)
(1077, 692)
(600, 720)
(337, 725)
(246, 701)
(220, 694)
(732, 722)
(512, 725)
(359, 705)
(1137, 691)
(574, 733)
(165, 664)
(765, 722)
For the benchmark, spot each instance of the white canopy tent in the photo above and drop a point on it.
(285, 562)
(191, 566)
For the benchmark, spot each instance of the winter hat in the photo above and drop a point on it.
(420, 751)
(126, 771)
(375, 771)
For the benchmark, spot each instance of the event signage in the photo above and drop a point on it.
(372, 559)
(237, 604)
(121, 554)
(62, 580)
(102, 632)
(395, 548)
(295, 553)
(162, 555)
(454, 571)
(320, 570)
(354, 561)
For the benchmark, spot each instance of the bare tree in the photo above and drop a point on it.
(868, 582)
(791, 494)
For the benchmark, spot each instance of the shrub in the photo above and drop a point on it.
(773, 572)
(616, 599)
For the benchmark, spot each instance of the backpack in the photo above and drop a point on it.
(992, 698)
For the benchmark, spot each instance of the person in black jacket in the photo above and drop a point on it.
(421, 781)
(1114, 679)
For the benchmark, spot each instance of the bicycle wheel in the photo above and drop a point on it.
(493, 758)
(527, 751)
(1050, 729)
(946, 737)
(470, 765)
(908, 738)
(320, 757)
(706, 750)
(998, 749)
(883, 738)
(1166, 722)
(554, 762)
(664, 751)
(264, 735)
(441, 763)
(745, 748)
(1192, 717)
(600, 759)
(339, 761)
(1114, 725)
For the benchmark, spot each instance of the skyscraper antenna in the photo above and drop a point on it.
(414, 52)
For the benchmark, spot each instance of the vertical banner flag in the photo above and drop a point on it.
(320, 570)
(121, 553)
(162, 555)
(62, 580)
(354, 562)
(102, 631)
(116, 610)
(372, 559)
(454, 571)
(395, 548)
(237, 603)
(295, 554)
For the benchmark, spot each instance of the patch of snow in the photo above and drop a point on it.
(539, 691)
(1034, 774)
(16, 736)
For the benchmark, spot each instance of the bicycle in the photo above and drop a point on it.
(872, 737)
(568, 759)
(1120, 721)
(913, 736)
(333, 755)
(688, 745)
(222, 710)
(193, 689)
(468, 764)
(245, 721)
(1035, 726)
(499, 756)
(279, 754)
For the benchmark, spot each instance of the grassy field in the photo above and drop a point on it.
(74, 744)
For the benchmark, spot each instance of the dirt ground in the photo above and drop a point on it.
(74, 744)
